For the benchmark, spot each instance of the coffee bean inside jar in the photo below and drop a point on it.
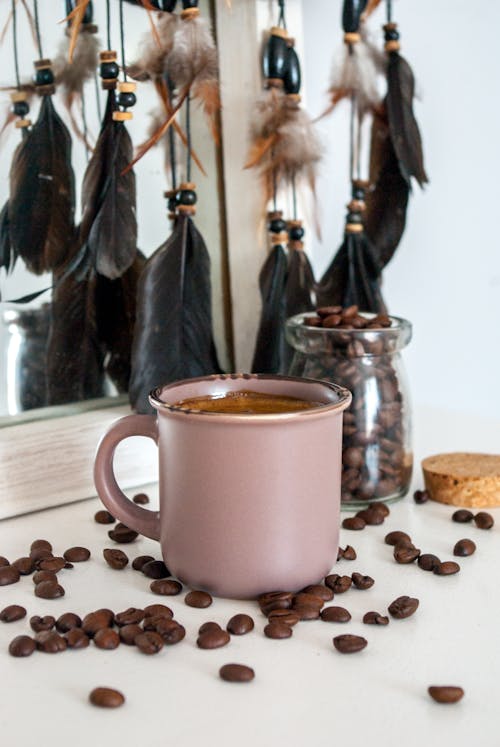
(361, 352)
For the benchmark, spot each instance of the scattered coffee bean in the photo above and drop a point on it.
(289, 617)
(213, 639)
(462, 516)
(464, 547)
(307, 612)
(349, 553)
(51, 564)
(94, 621)
(421, 496)
(68, 621)
(49, 590)
(403, 607)
(158, 610)
(405, 554)
(107, 638)
(448, 568)
(68, 566)
(106, 697)
(483, 520)
(155, 569)
(40, 554)
(129, 633)
(12, 613)
(77, 554)
(22, 645)
(40, 576)
(379, 506)
(76, 638)
(375, 618)
(275, 600)
(318, 590)
(307, 600)
(104, 517)
(122, 534)
(240, 624)
(362, 582)
(9, 575)
(141, 498)
(340, 554)
(116, 559)
(277, 630)
(371, 517)
(236, 673)
(397, 538)
(130, 616)
(25, 566)
(38, 623)
(354, 522)
(41, 544)
(206, 627)
(335, 614)
(445, 693)
(139, 562)
(166, 587)
(50, 642)
(149, 642)
(3, 561)
(428, 561)
(349, 644)
(170, 630)
(338, 584)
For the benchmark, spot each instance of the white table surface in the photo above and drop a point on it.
(304, 693)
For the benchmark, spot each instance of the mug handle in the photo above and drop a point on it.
(139, 519)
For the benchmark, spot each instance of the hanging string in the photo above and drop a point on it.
(97, 97)
(188, 137)
(85, 126)
(294, 198)
(171, 140)
(122, 41)
(275, 190)
(14, 39)
(352, 157)
(389, 10)
(281, 17)
(108, 23)
(37, 30)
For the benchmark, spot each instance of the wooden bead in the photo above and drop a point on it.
(356, 206)
(187, 185)
(127, 87)
(189, 13)
(294, 97)
(354, 228)
(42, 64)
(17, 96)
(108, 55)
(47, 90)
(392, 46)
(108, 83)
(119, 116)
(279, 238)
(278, 31)
(274, 83)
(169, 193)
(187, 209)
(352, 37)
(21, 123)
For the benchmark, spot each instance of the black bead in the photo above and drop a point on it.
(353, 218)
(358, 193)
(391, 35)
(277, 225)
(274, 57)
(351, 14)
(291, 77)
(89, 13)
(109, 70)
(187, 197)
(189, 4)
(127, 99)
(21, 108)
(172, 204)
(44, 77)
(296, 233)
(167, 5)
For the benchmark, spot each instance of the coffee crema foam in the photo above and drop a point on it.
(247, 402)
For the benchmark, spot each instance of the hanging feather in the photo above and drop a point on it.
(108, 227)
(403, 126)
(152, 63)
(7, 255)
(173, 332)
(42, 193)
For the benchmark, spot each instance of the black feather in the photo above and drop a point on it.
(270, 343)
(299, 293)
(7, 254)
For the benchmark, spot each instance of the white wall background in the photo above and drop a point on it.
(445, 276)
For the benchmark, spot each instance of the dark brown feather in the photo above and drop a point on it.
(173, 333)
(42, 193)
(109, 225)
(270, 343)
(299, 293)
(7, 255)
(402, 123)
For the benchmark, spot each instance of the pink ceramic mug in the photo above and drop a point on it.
(248, 503)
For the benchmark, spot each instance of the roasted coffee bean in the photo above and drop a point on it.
(129, 633)
(353, 457)
(50, 642)
(318, 590)
(362, 582)
(41, 545)
(421, 496)
(397, 538)
(3, 561)
(9, 575)
(464, 547)
(462, 516)
(104, 517)
(213, 639)
(51, 564)
(278, 630)
(445, 693)
(307, 600)
(166, 587)
(405, 554)
(335, 614)
(49, 590)
(403, 607)
(68, 621)
(122, 534)
(325, 311)
(381, 507)
(338, 584)
(354, 522)
(107, 638)
(22, 645)
(448, 568)
(94, 621)
(38, 623)
(141, 499)
(349, 553)
(76, 638)
(307, 612)
(130, 616)
(116, 559)
(77, 554)
(171, 631)
(68, 566)
(12, 613)
(106, 697)
(139, 562)
(349, 644)
(275, 600)
(25, 566)
(40, 554)
(483, 520)
(207, 626)
(155, 569)
(236, 673)
(149, 642)
(374, 618)
(40, 576)
(289, 617)
(428, 561)
(240, 624)
(158, 610)
(371, 517)
(198, 599)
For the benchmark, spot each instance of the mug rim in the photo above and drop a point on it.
(343, 394)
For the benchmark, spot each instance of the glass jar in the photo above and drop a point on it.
(377, 458)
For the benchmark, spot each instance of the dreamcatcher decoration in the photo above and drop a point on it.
(285, 151)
